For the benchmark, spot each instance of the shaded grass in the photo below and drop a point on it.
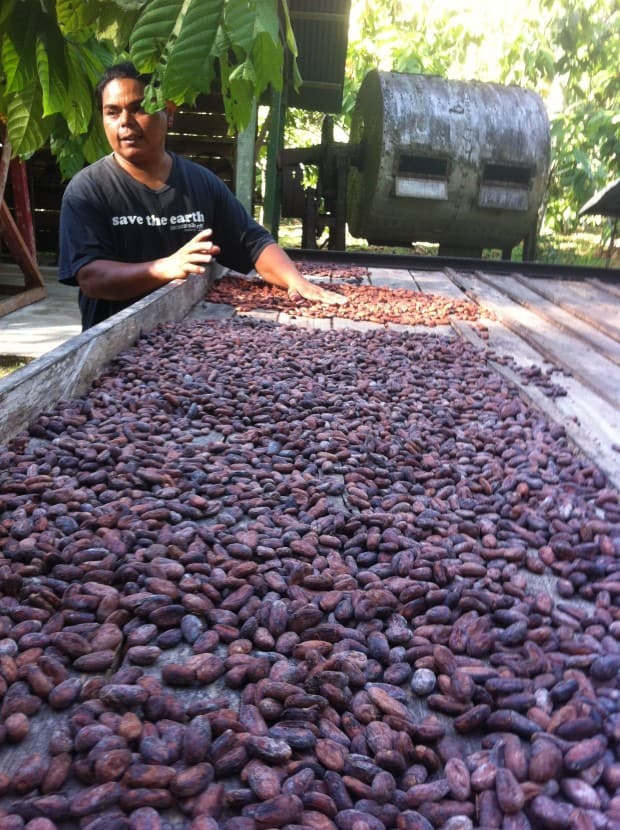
(11, 362)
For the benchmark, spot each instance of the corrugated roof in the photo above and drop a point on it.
(322, 33)
(605, 202)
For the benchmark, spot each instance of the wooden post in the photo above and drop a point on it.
(245, 162)
(21, 203)
(19, 239)
(273, 187)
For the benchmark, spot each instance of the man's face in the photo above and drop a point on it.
(136, 137)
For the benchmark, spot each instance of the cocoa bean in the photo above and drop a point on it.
(95, 799)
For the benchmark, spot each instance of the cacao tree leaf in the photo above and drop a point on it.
(50, 51)
(114, 28)
(267, 56)
(94, 56)
(67, 150)
(18, 56)
(28, 129)
(238, 97)
(79, 102)
(128, 5)
(152, 32)
(6, 9)
(238, 23)
(188, 62)
(289, 35)
(77, 18)
(96, 144)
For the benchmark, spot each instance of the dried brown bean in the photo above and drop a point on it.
(29, 774)
(57, 773)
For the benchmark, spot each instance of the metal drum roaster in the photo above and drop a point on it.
(460, 163)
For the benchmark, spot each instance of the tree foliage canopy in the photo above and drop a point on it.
(52, 53)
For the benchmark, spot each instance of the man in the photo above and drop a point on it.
(142, 217)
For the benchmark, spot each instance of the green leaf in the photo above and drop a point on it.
(238, 96)
(18, 62)
(239, 19)
(27, 128)
(129, 5)
(153, 30)
(67, 150)
(289, 35)
(79, 103)
(77, 18)
(96, 144)
(94, 58)
(188, 61)
(50, 51)
(116, 28)
(268, 58)
(6, 10)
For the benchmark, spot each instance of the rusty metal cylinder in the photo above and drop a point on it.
(464, 164)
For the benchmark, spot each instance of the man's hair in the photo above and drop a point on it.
(125, 69)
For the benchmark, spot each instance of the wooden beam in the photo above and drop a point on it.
(21, 204)
(68, 370)
(5, 160)
(19, 249)
(12, 297)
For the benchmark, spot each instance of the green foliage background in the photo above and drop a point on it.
(53, 51)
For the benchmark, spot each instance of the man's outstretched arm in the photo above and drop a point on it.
(277, 268)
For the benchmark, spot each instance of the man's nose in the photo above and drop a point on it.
(127, 116)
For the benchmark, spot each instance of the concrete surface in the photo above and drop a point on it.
(36, 329)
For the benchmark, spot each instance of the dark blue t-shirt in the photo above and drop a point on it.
(107, 214)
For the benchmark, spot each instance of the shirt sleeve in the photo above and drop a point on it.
(83, 234)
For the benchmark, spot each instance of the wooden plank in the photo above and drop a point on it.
(19, 298)
(68, 370)
(197, 123)
(522, 292)
(19, 249)
(211, 311)
(592, 303)
(21, 205)
(438, 331)
(5, 160)
(286, 318)
(593, 370)
(391, 278)
(354, 325)
(207, 146)
(610, 287)
(591, 423)
(437, 282)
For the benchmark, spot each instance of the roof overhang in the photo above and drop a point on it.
(321, 30)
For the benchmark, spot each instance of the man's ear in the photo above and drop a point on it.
(171, 108)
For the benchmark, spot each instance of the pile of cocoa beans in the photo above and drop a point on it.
(364, 303)
(267, 577)
(333, 271)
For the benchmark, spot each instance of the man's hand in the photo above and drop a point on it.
(189, 259)
(275, 267)
(106, 279)
(314, 293)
